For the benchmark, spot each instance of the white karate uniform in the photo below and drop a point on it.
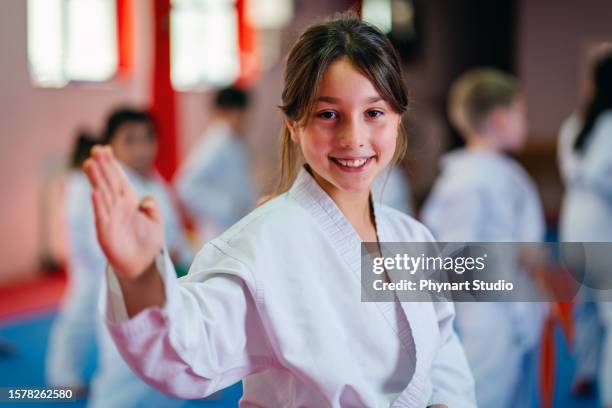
(566, 155)
(587, 207)
(487, 197)
(214, 184)
(392, 188)
(74, 330)
(78, 325)
(276, 301)
(586, 216)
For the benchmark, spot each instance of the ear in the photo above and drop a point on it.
(294, 130)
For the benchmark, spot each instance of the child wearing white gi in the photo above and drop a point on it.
(275, 300)
(218, 168)
(585, 148)
(131, 134)
(483, 195)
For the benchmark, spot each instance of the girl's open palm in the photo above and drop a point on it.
(130, 231)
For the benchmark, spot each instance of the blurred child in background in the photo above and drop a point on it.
(131, 134)
(585, 155)
(483, 195)
(74, 330)
(214, 184)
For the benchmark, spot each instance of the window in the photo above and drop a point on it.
(399, 19)
(377, 12)
(204, 43)
(71, 40)
(270, 14)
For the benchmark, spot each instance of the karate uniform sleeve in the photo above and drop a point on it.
(207, 336)
(452, 381)
(597, 172)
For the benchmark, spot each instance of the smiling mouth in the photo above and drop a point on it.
(352, 163)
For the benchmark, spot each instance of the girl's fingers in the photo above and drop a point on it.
(122, 180)
(92, 175)
(104, 196)
(101, 211)
(92, 169)
(109, 173)
(149, 206)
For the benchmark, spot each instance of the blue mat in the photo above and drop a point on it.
(26, 367)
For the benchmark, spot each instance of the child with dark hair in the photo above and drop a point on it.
(232, 98)
(132, 135)
(85, 141)
(218, 168)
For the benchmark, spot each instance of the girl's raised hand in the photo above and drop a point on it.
(130, 231)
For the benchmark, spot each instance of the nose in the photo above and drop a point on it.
(351, 134)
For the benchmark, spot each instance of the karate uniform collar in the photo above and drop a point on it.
(309, 194)
(319, 204)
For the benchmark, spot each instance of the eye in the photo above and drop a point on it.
(328, 115)
(374, 113)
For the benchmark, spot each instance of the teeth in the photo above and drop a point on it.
(352, 163)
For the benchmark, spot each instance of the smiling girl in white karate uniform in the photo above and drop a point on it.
(275, 300)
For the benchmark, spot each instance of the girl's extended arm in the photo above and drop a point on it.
(189, 339)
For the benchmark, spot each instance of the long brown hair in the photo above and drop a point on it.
(600, 102)
(343, 36)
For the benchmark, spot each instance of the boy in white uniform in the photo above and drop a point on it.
(483, 195)
(214, 183)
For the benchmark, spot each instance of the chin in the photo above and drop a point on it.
(353, 186)
(348, 182)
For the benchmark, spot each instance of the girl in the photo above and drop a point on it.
(275, 300)
(586, 216)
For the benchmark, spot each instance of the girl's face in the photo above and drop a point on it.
(351, 133)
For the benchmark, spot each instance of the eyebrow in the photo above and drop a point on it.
(332, 99)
